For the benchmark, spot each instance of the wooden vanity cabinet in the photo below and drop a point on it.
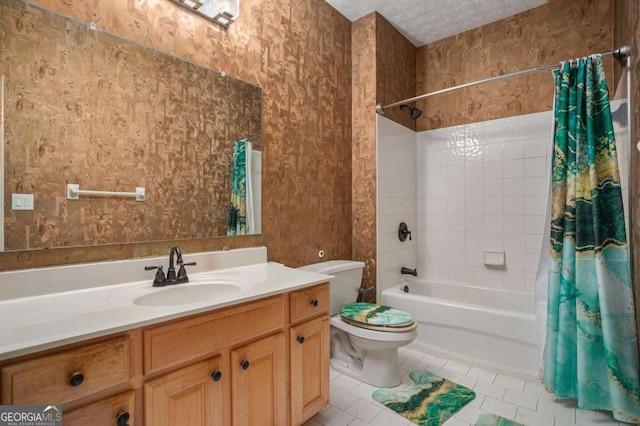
(239, 366)
(309, 352)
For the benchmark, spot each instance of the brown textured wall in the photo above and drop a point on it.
(626, 32)
(114, 115)
(396, 71)
(383, 70)
(550, 33)
(299, 52)
(363, 161)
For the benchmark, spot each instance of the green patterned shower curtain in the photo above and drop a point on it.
(591, 349)
(237, 223)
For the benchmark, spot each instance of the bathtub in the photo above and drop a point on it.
(485, 327)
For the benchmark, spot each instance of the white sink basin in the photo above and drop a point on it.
(182, 294)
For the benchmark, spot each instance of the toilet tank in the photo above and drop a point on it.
(344, 287)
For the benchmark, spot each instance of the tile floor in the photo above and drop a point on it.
(523, 401)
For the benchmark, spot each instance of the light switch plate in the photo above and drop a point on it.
(22, 201)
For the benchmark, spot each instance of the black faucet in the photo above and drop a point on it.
(171, 272)
(172, 278)
(408, 271)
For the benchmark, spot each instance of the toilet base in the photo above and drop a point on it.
(379, 369)
(355, 358)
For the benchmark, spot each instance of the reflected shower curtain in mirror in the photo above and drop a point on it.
(241, 205)
(591, 349)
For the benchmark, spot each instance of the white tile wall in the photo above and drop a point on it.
(495, 181)
(397, 201)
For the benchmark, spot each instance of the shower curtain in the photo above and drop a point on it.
(240, 220)
(591, 350)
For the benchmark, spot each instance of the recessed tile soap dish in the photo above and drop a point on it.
(493, 258)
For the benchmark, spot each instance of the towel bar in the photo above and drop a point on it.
(74, 192)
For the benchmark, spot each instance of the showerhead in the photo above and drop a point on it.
(415, 112)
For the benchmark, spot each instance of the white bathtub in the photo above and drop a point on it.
(490, 328)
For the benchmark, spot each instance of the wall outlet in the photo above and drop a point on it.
(22, 201)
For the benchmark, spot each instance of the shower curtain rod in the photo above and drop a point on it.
(619, 54)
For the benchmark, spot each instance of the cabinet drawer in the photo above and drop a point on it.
(309, 302)
(108, 411)
(184, 340)
(48, 380)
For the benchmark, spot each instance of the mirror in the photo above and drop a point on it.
(85, 107)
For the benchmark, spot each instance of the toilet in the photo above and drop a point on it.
(364, 337)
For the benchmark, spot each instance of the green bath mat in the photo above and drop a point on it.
(493, 420)
(430, 403)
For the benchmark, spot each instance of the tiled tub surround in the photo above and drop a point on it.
(396, 200)
(51, 307)
(483, 186)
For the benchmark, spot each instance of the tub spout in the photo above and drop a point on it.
(408, 271)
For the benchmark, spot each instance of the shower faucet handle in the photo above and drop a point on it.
(403, 231)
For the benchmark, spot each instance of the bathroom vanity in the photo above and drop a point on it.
(259, 355)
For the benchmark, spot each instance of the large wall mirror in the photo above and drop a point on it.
(85, 107)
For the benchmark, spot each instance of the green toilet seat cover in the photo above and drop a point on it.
(370, 313)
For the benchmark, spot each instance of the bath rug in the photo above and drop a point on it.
(430, 403)
(493, 420)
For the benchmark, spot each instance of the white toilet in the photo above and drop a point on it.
(363, 348)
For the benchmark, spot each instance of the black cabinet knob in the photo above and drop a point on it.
(216, 376)
(314, 302)
(76, 379)
(300, 339)
(244, 364)
(122, 419)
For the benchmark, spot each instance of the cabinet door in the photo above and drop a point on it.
(258, 386)
(115, 411)
(191, 396)
(309, 343)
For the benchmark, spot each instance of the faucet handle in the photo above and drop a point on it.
(182, 272)
(159, 280)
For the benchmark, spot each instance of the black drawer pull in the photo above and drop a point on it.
(122, 419)
(314, 302)
(216, 376)
(244, 364)
(76, 379)
(300, 339)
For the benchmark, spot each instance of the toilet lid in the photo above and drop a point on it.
(391, 329)
(376, 315)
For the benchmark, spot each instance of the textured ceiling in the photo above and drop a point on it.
(424, 21)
